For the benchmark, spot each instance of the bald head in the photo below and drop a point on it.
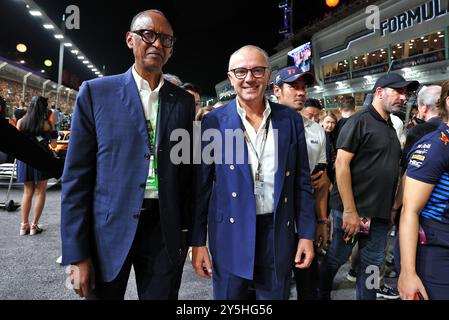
(246, 49)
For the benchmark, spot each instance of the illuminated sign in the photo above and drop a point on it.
(425, 12)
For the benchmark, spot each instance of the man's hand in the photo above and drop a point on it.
(351, 222)
(82, 277)
(321, 235)
(201, 262)
(319, 180)
(305, 247)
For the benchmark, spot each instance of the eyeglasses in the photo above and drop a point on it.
(257, 72)
(150, 37)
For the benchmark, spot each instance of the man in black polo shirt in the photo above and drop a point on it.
(367, 168)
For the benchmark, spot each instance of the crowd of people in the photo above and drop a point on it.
(304, 191)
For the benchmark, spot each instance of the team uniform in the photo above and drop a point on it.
(428, 162)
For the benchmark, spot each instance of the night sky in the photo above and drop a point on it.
(207, 32)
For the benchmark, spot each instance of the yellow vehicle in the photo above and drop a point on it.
(63, 143)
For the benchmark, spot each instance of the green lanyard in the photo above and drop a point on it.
(152, 180)
(152, 128)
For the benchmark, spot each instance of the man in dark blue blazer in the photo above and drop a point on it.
(124, 202)
(253, 189)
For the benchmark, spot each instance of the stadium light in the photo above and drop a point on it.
(35, 13)
(21, 48)
(58, 32)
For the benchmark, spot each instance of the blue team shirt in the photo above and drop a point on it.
(428, 161)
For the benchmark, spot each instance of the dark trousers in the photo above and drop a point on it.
(267, 286)
(371, 250)
(157, 278)
(306, 281)
(432, 259)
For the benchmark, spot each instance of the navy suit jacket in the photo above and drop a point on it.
(231, 220)
(106, 170)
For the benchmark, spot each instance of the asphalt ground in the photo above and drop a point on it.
(28, 268)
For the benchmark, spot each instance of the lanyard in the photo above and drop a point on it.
(152, 127)
(264, 142)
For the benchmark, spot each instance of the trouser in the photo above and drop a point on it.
(227, 286)
(371, 248)
(157, 278)
(307, 281)
(432, 259)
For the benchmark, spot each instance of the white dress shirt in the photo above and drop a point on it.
(316, 143)
(150, 101)
(268, 158)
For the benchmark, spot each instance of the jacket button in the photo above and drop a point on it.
(147, 156)
(234, 194)
(231, 220)
(180, 251)
(285, 200)
(288, 224)
(287, 173)
(231, 167)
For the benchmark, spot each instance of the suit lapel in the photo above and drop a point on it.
(282, 140)
(167, 101)
(234, 122)
(130, 97)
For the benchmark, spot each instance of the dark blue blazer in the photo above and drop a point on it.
(107, 166)
(231, 221)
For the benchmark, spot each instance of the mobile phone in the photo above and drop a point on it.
(418, 296)
(319, 167)
(364, 225)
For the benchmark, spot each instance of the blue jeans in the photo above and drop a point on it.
(371, 249)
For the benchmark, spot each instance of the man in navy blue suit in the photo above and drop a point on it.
(124, 202)
(255, 192)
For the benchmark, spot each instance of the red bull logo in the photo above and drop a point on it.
(444, 138)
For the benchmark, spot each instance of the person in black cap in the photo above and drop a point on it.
(367, 168)
(291, 90)
(290, 86)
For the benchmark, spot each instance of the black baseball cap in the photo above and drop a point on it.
(395, 81)
(291, 74)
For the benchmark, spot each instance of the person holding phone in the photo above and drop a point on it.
(291, 90)
(367, 168)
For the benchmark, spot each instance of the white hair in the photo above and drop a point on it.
(429, 96)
